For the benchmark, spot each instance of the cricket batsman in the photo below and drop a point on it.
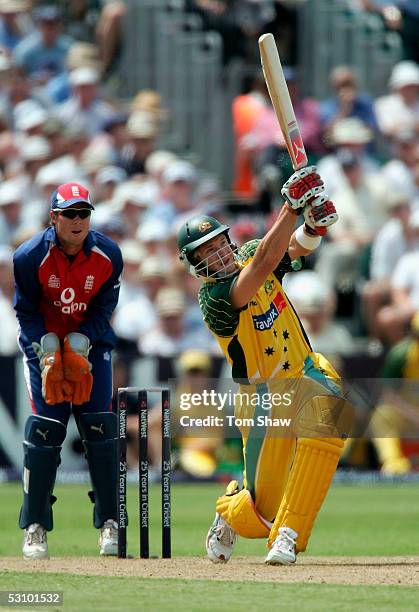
(286, 477)
(67, 285)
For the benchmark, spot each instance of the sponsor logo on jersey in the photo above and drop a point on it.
(66, 303)
(54, 282)
(266, 320)
(89, 282)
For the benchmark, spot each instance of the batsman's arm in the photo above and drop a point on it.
(269, 253)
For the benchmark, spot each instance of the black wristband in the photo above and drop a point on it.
(309, 230)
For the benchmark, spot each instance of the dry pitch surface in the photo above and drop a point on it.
(326, 570)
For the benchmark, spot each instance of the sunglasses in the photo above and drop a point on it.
(72, 213)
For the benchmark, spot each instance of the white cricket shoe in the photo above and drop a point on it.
(220, 541)
(35, 544)
(283, 548)
(108, 538)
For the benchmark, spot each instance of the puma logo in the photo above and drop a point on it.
(99, 429)
(43, 434)
(298, 150)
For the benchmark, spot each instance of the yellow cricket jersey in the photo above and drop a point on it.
(264, 340)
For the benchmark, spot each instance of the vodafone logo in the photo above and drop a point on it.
(66, 303)
(67, 295)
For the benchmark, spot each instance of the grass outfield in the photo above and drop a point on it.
(113, 594)
(379, 520)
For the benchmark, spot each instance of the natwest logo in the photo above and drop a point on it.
(66, 303)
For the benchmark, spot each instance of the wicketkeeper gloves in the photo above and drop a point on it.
(55, 388)
(65, 375)
(77, 367)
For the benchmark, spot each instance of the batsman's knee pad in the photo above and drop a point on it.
(98, 426)
(239, 511)
(42, 431)
(323, 416)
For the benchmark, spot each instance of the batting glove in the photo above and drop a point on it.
(320, 214)
(77, 367)
(55, 389)
(301, 187)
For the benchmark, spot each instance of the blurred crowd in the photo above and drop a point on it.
(58, 123)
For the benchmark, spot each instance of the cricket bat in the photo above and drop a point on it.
(281, 101)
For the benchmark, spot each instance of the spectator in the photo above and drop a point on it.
(401, 16)
(136, 317)
(246, 109)
(35, 153)
(43, 53)
(394, 320)
(362, 212)
(400, 110)
(30, 118)
(11, 218)
(109, 33)
(395, 416)
(398, 172)
(347, 101)
(157, 162)
(132, 200)
(171, 336)
(197, 455)
(132, 256)
(80, 55)
(265, 143)
(315, 303)
(353, 135)
(361, 201)
(114, 136)
(149, 101)
(106, 181)
(179, 182)
(14, 23)
(396, 238)
(9, 324)
(85, 106)
(142, 132)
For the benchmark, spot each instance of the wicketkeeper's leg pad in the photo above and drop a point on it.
(238, 510)
(41, 452)
(99, 431)
(314, 466)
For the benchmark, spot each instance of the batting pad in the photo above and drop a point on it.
(314, 465)
(240, 513)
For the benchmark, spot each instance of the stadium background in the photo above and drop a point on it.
(175, 122)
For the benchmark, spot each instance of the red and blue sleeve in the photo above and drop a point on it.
(101, 308)
(27, 299)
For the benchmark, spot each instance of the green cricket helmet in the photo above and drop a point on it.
(195, 232)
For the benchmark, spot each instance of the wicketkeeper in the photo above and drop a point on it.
(242, 301)
(67, 285)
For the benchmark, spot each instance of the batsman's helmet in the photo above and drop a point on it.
(194, 233)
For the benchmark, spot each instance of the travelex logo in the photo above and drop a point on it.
(266, 320)
(66, 303)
